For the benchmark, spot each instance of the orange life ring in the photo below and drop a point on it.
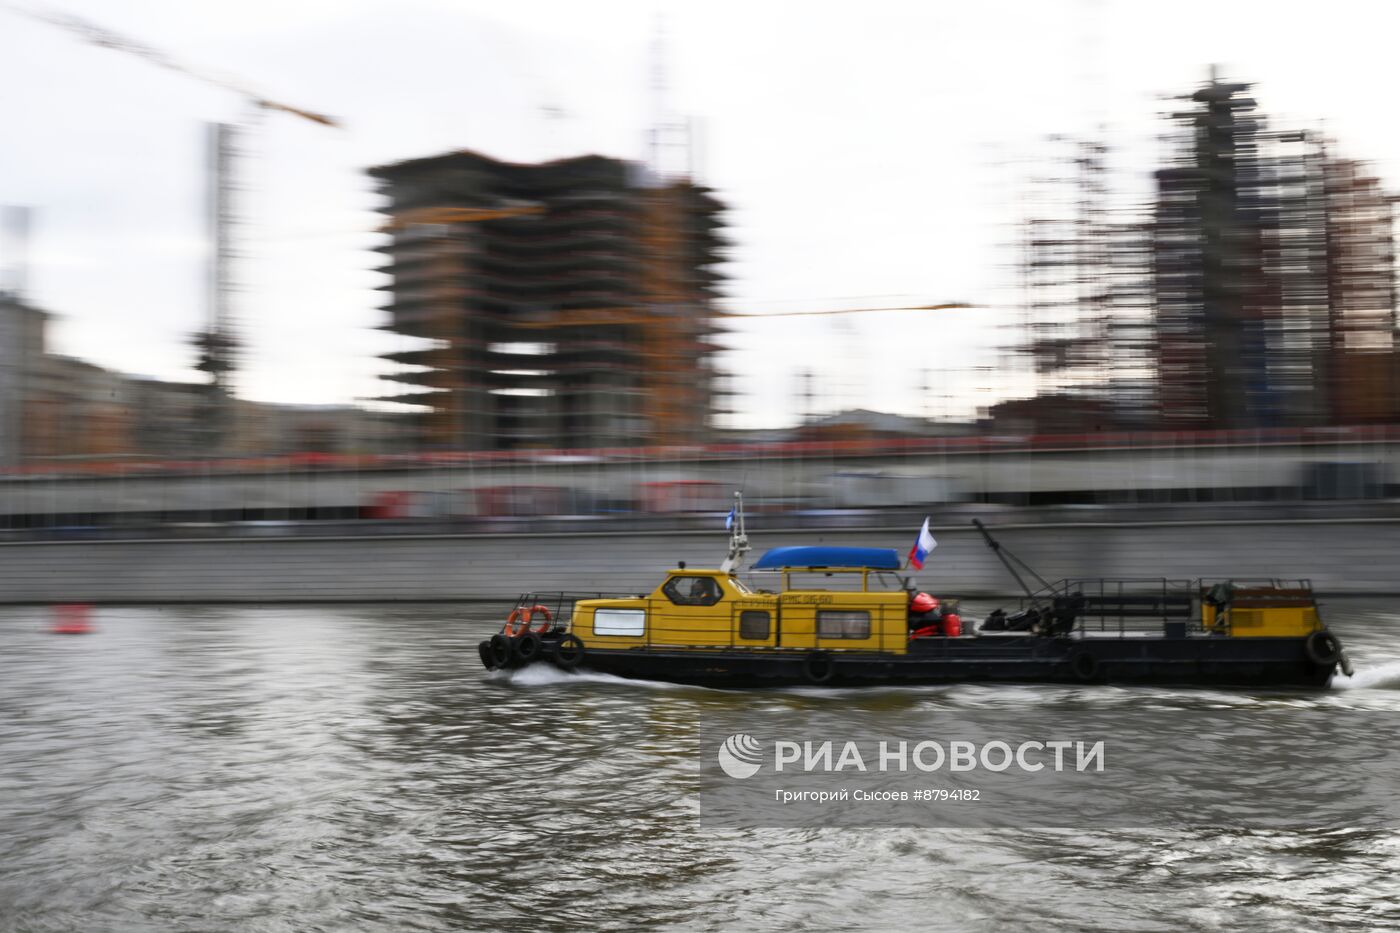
(517, 623)
(548, 622)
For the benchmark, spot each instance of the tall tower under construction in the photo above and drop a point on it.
(561, 304)
(1273, 270)
(1206, 264)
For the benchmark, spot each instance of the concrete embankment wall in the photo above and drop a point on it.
(1340, 556)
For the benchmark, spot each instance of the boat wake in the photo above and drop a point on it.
(547, 675)
(1381, 677)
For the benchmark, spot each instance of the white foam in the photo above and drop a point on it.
(1381, 676)
(547, 675)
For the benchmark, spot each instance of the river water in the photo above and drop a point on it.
(335, 768)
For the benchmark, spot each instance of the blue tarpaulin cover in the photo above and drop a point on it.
(875, 558)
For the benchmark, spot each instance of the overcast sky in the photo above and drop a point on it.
(869, 153)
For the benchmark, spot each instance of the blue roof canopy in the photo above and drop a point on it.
(873, 558)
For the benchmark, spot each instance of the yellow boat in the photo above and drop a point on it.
(844, 616)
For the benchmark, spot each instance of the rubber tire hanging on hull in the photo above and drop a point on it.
(818, 667)
(1084, 665)
(1324, 649)
(502, 650)
(528, 647)
(488, 660)
(569, 653)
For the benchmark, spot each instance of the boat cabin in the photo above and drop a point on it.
(828, 598)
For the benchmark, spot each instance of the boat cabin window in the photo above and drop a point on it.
(753, 624)
(619, 622)
(693, 591)
(832, 624)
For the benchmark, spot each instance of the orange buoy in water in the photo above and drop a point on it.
(72, 619)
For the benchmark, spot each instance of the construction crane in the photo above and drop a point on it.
(216, 344)
(666, 342)
(948, 306)
(591, 317)
(107, 39)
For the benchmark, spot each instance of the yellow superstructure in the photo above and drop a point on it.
(712, 608)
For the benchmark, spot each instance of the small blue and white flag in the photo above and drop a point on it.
(729, 519)
(922, 545)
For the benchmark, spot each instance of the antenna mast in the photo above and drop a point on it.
(738, 536)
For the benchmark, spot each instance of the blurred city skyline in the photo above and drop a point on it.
(864, 158)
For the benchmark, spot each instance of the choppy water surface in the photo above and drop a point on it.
(354, 768)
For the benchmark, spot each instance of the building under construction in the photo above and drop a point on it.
(1086, 326)
(1256, 289)
(1273, 276)
(562, 304)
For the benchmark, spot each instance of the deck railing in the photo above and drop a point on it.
(1122, 605)
(1140, 605)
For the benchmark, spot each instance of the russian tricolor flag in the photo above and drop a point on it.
(922, 545)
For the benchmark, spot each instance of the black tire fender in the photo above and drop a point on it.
(1324, 649)
(502, 650)
(569, 652)
(818, 667)
(488, 659)
(528, 647)
(1084, 665)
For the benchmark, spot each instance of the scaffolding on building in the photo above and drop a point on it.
(1256, 291)
(510, 299)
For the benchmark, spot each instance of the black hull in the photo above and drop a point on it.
(1199, 662)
